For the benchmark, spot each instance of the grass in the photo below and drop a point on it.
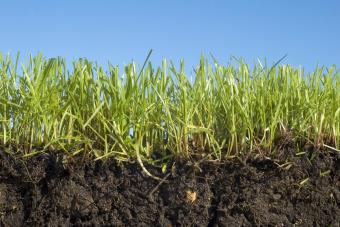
(224, 111)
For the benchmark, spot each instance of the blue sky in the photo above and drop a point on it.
(121, 31)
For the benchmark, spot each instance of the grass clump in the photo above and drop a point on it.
(224, 111)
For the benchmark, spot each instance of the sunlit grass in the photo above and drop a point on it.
(225, 111)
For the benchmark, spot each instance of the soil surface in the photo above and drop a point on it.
(49, 190)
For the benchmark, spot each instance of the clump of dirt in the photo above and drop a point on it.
(289, 190)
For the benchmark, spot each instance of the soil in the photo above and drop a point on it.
(49, 190)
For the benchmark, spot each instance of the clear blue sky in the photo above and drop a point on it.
(119, 31)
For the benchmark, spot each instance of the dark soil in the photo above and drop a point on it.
(48, 190)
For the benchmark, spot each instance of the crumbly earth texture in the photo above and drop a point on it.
(285, 190)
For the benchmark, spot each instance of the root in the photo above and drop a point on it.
(143, 167)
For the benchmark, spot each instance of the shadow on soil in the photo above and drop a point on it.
(46, 191)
